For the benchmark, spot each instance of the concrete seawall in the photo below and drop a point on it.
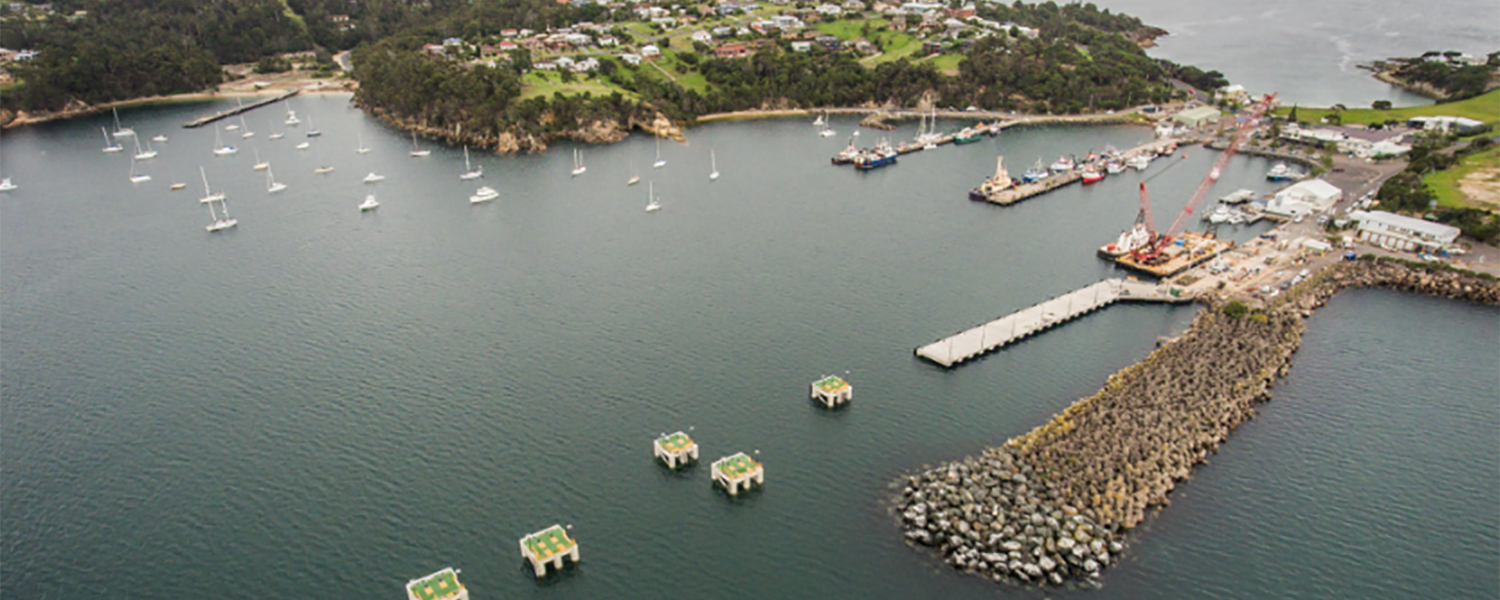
(1053, 505)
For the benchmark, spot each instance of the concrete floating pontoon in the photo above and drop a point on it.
(675, 449)
(549, 545)
(1017, 326)
(442, 585)
(738, 471)
(832, 391)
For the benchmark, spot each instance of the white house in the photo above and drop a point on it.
(1402, 233)
(631, 59)
(703, 36)
(830, 10)
(650, 51)
(801, 46)
(787, 22)
(564, 62)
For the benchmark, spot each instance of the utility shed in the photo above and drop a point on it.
(1401, 232)
(1194, 117)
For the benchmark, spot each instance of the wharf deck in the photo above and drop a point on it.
(1022, 324)
(201, 121)
(1197, 249)
(1027, 191)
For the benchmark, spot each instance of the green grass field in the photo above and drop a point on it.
(1485, 107)
(1444, 184)
(947, 63)
(897, 46)
(546, 83)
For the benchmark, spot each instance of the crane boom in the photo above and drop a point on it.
(1242, 130)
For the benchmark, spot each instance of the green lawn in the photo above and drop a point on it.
(947, 63)
(687, 77)
(897, 46)
(1444, 184)
(851, 29)
(1485, 107)
(546, 83)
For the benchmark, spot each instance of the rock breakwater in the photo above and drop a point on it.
(1052, 506)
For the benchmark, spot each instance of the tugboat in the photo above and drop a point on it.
(1000, 182)
(1092, 175)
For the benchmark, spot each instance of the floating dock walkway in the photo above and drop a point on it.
(1017, 326)
(199, 122)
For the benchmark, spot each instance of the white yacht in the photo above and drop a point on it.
(272, 186)
(303, 145)
(121, 131)
(291, 116)
(484, 194)
(578, 167)
(660, 162)
(323, 169)
(140, 154)
(416, 150)
(209, 196)
(220, 149)
(713, 164)
(374, 177)
(369, 203)
(6, 185)
(159, 138)
(220, 222)
(109, 146)
(651, 204)
(470, 172)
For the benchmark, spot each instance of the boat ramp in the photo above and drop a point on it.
(1022, 324)
(201, 121)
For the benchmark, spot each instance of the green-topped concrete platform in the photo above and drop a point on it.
(549, 545)
(737, 472)
(675, 449)
(442, 585)
(832, 391)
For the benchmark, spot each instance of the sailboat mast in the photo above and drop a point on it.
(206, 190)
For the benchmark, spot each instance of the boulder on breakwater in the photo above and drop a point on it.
(1052, 506)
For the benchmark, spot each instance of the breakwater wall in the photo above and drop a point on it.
(1053, 506)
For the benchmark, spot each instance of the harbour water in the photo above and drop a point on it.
(323, 403)
(1307, 51)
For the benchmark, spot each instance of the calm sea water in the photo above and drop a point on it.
(325, 404)
(1307, 51)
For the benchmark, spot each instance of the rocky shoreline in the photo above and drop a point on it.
(596, 132)
(1052, 507)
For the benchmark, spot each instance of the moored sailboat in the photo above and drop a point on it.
(470, 172)
(417, 151)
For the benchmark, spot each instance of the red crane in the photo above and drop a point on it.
(1160, 242)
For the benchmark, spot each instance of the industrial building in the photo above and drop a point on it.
(1402, 233)
(1194, 117)
(1304, 198)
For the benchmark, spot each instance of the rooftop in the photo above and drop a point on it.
(832, 384)
(676, 442)
(439, 585)
(1436, 230)
(548, 542)
(736, 466)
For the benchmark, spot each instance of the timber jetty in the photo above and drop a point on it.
(1022, 324)
(1054, 505)
(1025, 191)
(201, 121)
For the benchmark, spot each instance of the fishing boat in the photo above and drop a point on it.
(220, 148)
(651, 204)
(260, 165)
(312, 130)
(303, 145)
(846, 156)
(291, 116)
(578, 167)
(209, 196)
(110, 146)
(137, 177)
(818, 122)
(713, 163)
(369, 204)
(159, 138)
(119, 130)
(1092, 175)
(1219, 215)
(6, 185)
(373, 177)
(1138, 162)
(634, 178)
(362, 149)
(470, 172)
(146, 154)
(272, 186)
(1114, 167)
(1035, 173)
(1062, 163)
(1280, 172)
(323, 169)
(275, 135)
(660, 162)
(484, 194)
(416, 150)
(968, 135)
(881, 155)
(1000, 182)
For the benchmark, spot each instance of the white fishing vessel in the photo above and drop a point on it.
(416, 150)
(660, 162)
(634, 177)
(1138, 162)
(220, 149)
(470, 172)
(209, 196)
(323, 169)
(119, 130)
(259, 165)
(303, 145)
(109, 146)
(651, 204)
(137, 177)
(484, 194)
(713, 163)
(146, 154)
(361, 149)
(291, 116)
(275, 135)
(1062, 163)
(369, 203)
(6, 185)
(373, 177)
(159, 138)
(578, 167)
(272, 186)
(246, 133)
